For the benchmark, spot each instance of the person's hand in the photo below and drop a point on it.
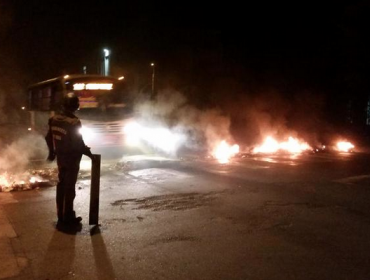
(89, 153)
(51, 156)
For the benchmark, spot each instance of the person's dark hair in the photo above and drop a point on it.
(71, 102)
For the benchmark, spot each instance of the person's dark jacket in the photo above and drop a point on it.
(64, 138)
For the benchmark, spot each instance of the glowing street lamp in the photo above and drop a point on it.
(106, 62)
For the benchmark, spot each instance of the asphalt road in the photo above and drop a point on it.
(280, 217)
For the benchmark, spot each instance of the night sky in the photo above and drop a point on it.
(210, 52)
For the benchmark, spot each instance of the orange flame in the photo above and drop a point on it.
(293, 145)
(8, 181)
(223, 152)
(344, 146)
(4, 180)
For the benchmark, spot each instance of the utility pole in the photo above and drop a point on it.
(153, 76)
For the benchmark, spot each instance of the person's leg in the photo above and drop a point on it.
(60, 195)
(70, 192)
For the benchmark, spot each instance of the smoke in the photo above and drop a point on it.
(15, 157)
(16, 147)
(269, 114)
(248, 121)
(208, 126)
(256, 115)
(299, 116)
(199, 130)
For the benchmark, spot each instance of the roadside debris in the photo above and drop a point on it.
(29, 180)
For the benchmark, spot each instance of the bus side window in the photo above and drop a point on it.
(45, 99)
(31, 101)
(56, 97)
(36, 96)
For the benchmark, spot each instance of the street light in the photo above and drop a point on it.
(153, 74)
(106, 62)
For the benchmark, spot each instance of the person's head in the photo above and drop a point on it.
(71, 102)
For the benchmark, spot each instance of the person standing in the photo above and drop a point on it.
(65, 142)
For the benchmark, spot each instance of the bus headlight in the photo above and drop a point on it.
(87, 134)
(132, 132)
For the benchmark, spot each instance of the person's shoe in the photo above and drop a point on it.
(59, 224)
(73, 221)
(71, 218)
(70, 227)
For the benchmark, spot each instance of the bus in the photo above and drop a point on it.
(105, 107)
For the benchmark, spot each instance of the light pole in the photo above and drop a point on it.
(153, 75)
(106, 62)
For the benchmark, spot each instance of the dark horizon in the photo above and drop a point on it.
(212, 54)
(270, 43)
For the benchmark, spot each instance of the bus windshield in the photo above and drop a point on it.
(109, 113)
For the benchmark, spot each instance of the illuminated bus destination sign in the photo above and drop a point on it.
(82, 86)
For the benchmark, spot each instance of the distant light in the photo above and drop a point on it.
(106, 52)
(159, 137)
(152, 64)
(99, 86)
(82, 86)
(29, 129)
(23, 108)
(121, 78)
(78, 86)
(66, 76)
(87, 133)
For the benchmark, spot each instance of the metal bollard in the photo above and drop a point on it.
(95, 190)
